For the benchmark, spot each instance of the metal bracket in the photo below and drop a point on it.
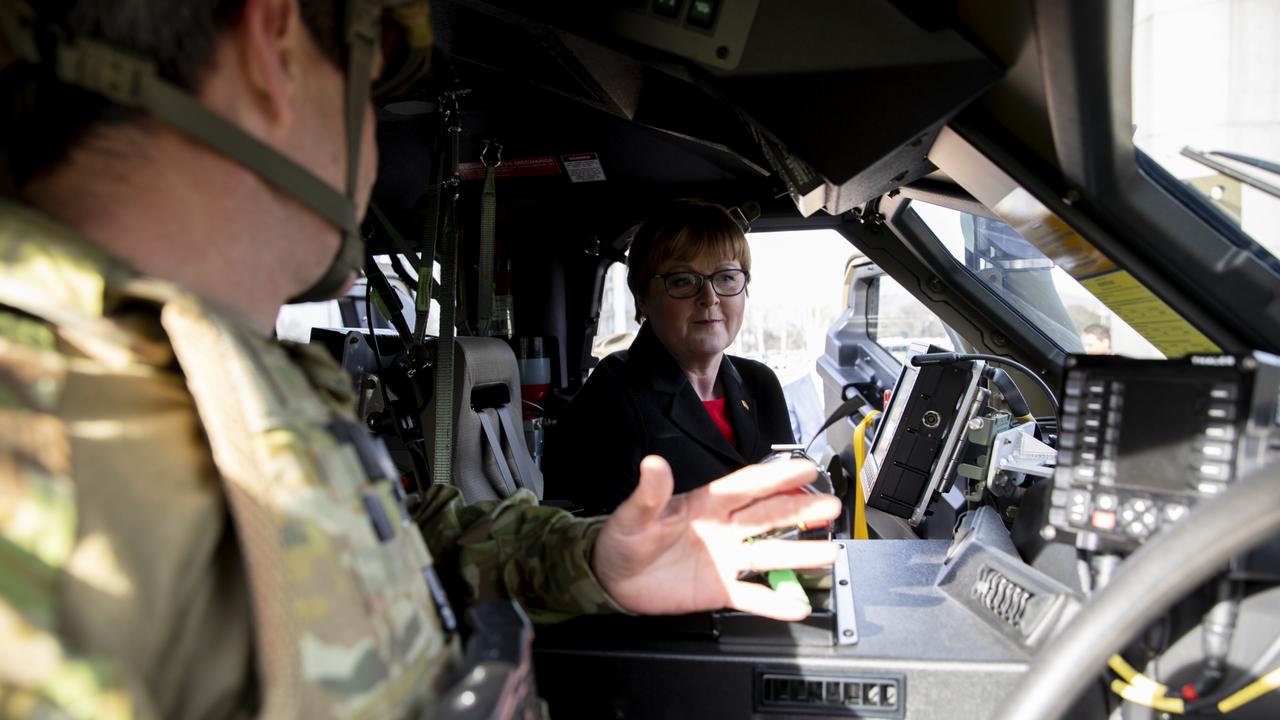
(842, 600)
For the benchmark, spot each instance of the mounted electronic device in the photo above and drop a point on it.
(952, 415)
(1143, 441)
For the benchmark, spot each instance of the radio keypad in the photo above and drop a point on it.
(1085, 497)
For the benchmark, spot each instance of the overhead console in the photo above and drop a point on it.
(846, 120)
(850, 118)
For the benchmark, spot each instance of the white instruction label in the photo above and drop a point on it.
(583, 167)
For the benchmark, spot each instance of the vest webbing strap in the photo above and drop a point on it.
(220, 376)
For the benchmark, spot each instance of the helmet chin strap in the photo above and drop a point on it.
(133, 82)
(363, 22)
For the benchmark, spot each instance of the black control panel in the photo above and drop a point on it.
(922, 428)
(1141, 441)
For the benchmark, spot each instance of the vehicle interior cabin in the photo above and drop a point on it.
(1031, 530)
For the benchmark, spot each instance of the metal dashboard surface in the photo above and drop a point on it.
(902, 614)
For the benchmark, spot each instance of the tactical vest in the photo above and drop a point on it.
(345, 625)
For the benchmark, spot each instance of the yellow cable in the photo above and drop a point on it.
(1135, 678)
(1251, 692)
(1143, 696)
(859, 455)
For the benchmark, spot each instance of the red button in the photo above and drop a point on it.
(1103, 520)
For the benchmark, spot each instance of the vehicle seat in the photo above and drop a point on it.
(490, 458)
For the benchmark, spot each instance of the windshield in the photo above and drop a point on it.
(1033, 285)
(1206, 104)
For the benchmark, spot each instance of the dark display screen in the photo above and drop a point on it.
(1161, 418)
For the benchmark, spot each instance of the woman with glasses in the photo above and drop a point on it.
(674, 392)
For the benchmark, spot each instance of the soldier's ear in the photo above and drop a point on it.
(271, 43)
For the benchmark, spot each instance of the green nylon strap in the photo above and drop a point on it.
(488, 231)
(398, 240)
(442, 465)
(427, 256)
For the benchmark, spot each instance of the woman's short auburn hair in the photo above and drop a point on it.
(684, 230)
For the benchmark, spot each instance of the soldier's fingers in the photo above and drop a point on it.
(788, 555)
(760, 600)
(651, 495)
(787, 510)
(753, 482)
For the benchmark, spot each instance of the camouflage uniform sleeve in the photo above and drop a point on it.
(39, 676)
(514, 548)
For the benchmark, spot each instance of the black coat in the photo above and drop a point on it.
(638, 402)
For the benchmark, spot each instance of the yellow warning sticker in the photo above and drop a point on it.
(1051, 236)
(1129, 299)
(1148, 314)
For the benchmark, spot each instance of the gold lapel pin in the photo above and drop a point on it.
(745, 406)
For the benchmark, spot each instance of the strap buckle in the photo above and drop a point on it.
(99, 68)
(496, 147)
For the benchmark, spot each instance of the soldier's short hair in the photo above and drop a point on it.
(43, 118)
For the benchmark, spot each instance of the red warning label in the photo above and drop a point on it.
(541, 165)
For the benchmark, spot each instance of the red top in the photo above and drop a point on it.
(718, 416)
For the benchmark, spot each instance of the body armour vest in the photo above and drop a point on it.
(344, 622)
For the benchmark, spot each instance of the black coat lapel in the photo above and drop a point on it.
(685, 410)
(743, 413)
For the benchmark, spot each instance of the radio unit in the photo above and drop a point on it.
(1141, 441)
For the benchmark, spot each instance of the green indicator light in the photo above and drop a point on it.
(669, 8)
(702, 13)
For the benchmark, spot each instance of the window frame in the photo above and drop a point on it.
(1123, 205)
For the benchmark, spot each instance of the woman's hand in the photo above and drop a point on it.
(659, 554)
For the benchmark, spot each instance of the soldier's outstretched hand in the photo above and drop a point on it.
(659, 554)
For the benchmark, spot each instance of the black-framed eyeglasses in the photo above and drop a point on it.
(687, 284)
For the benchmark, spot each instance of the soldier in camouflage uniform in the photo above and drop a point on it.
(191, 523)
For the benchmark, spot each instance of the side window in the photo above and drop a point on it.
(896, 319)
(794, 296)
(295, 322)
(1067, 311)
(617, 326)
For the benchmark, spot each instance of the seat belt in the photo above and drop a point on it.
(524, 460)
(495, 445)
(488, 232)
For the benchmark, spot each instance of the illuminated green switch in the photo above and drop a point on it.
(702, 13)
(668, 8)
